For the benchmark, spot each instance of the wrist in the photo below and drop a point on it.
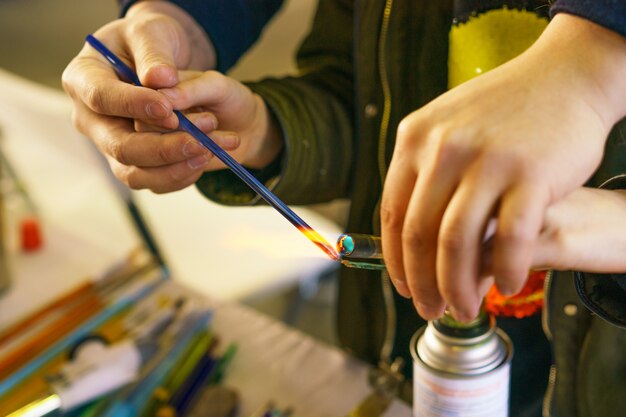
(593, 58)
(268, 140)
(203, 56)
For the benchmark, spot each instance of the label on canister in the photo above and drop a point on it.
(444, 394)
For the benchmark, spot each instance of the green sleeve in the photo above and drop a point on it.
(315, 113)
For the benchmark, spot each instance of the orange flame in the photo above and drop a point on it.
(320, 242)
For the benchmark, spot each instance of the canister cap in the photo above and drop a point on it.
(462, 356)
(448, 326)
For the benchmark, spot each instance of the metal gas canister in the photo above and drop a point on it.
(461, 369)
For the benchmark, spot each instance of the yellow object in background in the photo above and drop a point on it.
(490, 39)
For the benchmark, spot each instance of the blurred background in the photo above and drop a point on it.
(39, 37)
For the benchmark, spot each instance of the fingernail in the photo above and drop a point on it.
(193, 148)
(230, 141)
(505, 290)
(213, 121)
(427, 312)
(402, 288)
(167, 75)
(157, 110)
(461, 316)
(455, 313)
(197, 162)
(207, 122)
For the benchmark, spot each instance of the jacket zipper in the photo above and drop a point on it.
(390, 310)
(545, 314)
(547, 398)
(384, 80)
(545, 322)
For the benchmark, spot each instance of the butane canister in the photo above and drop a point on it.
(461, 370)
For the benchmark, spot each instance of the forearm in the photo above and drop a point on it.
(585, 232)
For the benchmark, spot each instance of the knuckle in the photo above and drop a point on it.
(414, 239)
(184, 99)
(139, 27)
(66, 81)
(94, 99)
(405, 134)
(164, 155)
(390, 216)
(177, 177)
(445, 133)
(127, 106)
(518, 234)
(445, 151)
(448, 139)
(177, 173)
(133, 183)
(117, 151)
(442, 133)
(452, 241)
(404, 128)
(77, 121)
(124, 175)
(218, 78)
(220, 84)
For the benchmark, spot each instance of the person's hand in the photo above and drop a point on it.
(584, 231)
(246, 125)
(156, 38)
(504, 145)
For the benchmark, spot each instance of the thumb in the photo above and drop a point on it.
(157, 53)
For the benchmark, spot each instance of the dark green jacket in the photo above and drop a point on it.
(361, 73)
(585, 320)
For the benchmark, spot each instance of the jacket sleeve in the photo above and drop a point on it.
(314, 111)
(608, 13)
(605, 294)
(232, 25)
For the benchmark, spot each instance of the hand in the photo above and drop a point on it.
(504, 145)
(581, 232)
(157, 38)
(243, 116)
